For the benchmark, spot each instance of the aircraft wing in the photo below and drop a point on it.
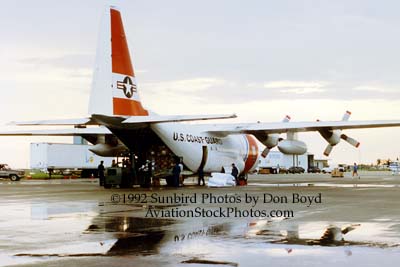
(175, 118)
(58, 132)
(283, 127)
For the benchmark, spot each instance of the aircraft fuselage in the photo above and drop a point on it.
(191, 141)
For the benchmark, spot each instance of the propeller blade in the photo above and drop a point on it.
(350, 140)
(346, 116)
(286, 119)
(328, 150)
(265, 152)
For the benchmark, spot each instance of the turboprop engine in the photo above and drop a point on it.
(270, 140)
(292, 147)
(107, 150)
(107, 146)
(333, 137)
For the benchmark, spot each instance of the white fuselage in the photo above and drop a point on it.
(187, 141)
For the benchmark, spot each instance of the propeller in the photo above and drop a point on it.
(350, 140)
(265, 152)
(328, 150)
(333, 136)
(271, 140)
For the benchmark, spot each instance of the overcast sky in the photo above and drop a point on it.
(259, 59)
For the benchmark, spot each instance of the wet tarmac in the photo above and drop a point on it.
(356, 222)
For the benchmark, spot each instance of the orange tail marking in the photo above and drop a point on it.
(121, 60)
(121, 64)
(127, 107)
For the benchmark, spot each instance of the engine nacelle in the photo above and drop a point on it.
(332, 137)
(292, 147)
(269, 140)
(107, 150)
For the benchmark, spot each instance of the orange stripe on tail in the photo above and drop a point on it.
(121, 60)
(127, 107)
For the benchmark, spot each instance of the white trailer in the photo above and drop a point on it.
(276, 158)
(65, 156)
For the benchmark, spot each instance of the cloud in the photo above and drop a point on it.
(187, 85)
(297, 87)
(66, 61)
(212, 90)
(294, 84)
(303, 91)
(374, 89)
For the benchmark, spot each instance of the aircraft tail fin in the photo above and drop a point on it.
(114, 91)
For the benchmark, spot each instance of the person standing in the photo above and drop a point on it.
(180, 174)
(100, 172)
(200, 173)
(114, 163)
(235, 172)
(355, 170)
(148, 173)
(50, 171)
(176, 171)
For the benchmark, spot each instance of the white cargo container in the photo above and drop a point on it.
(65, 156)
(276, 158)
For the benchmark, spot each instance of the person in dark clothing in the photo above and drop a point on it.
(235, 172)
(355, 170)
(50, 171)
(100, 172)
(148, 173)
(176, 171)
(200, 173)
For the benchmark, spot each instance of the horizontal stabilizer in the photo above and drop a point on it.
(80, 121)
(58, 132)
(175, 118)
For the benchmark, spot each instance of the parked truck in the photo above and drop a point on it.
(13, 175)
(66, 157)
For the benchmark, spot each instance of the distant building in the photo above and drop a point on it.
(321, 163)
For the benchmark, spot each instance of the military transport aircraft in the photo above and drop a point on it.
(118, 120)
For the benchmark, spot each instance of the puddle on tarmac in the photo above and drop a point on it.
(194, 242)
(45, 211)
(134, 235)
(350, 185)
(209, 262)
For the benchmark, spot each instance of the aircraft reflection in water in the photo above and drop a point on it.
(120, 235)
(147, 236)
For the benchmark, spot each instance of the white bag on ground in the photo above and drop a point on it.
(221, 179)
